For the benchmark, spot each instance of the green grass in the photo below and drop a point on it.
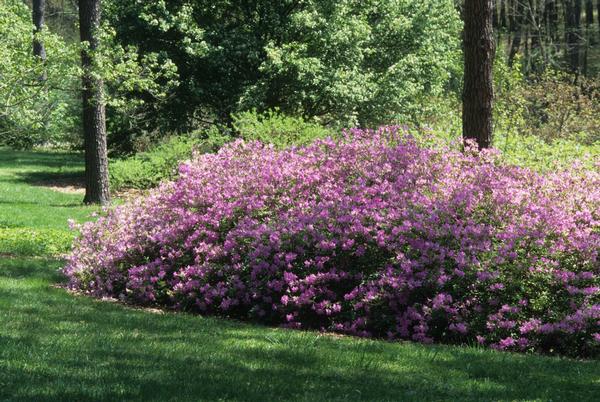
(25, 204)
(33, 219)
(55, 346)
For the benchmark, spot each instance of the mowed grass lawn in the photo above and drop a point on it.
(55, 346)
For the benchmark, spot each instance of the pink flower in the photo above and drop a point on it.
(372, 234)
(459, 327)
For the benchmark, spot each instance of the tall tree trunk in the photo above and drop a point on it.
(573, 34)
(478, 91)
(39, 50)
(527, 51)
(537, 35)
(598, 16)
(503, 20)
(517, 30)
(589, 12)
(495, 15)
(551, 19)
(511, 14)
(94, 115)
(589, 25)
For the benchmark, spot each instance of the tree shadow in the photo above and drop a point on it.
(42, 159)
(62, 180)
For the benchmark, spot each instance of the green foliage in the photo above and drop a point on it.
(137, 86)
(551, 106)
(547, 123)
(34, 111)
(273, 127)
(160, 162)
(521, 149)
(533, 152)
(544, 124)
(509, 103)
(147, 169)
(35, 242)
(341, 62)
(559, 108)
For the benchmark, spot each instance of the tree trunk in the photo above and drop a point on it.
(516, 30)
(551, 20)
(598, 16)
(94, 120)
(503, 21)
(527, 51)
(589, 26)
(573, 34)
(589, 12)
(39, 51)
(495, 15)
(511, 14)
(537, 34)
(478, 91)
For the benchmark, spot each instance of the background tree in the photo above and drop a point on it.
(478, 92)
(335, 62)
(517, 27)
(94, 115)
(573, 35)
(38, 14)
(36, 112)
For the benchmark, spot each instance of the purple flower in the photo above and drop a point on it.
(459, 327)
(372, 234)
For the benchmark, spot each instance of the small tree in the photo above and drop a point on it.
(478, 91)
(94, 115)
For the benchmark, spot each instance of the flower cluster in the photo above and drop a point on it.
(371, 235)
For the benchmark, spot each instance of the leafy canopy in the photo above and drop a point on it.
(336, 62)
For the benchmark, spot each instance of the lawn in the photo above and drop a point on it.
(57, 346)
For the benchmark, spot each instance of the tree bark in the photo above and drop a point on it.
(94, 115)
(39, 50)
(537, 34)
(589, 12)
(516, 30)
(598, 16)
(478, 91)
(589, 26)
(551, 19)
(495, 16)
(573, 34)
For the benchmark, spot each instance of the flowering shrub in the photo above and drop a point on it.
(372, 235)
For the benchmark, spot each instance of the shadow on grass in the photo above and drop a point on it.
(29, 268)
(53, 179)
(68, 204)
(44, 168)
(54, 346)
(42, 159)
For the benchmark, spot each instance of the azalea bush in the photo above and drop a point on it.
(370, 235)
